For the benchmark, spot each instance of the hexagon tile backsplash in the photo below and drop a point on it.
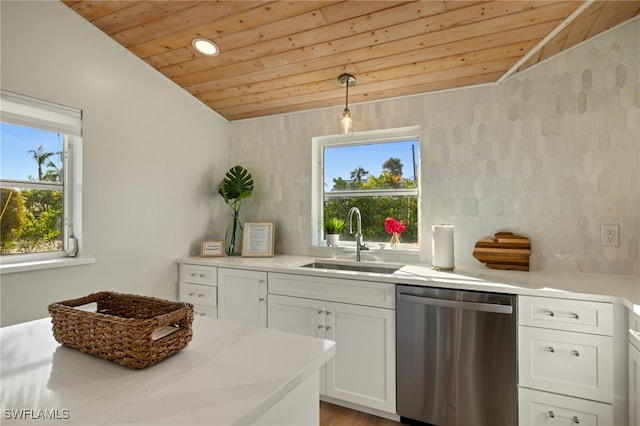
(552, 153)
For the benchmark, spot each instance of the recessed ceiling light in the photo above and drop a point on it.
(206, 47)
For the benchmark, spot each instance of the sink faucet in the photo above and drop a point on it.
(359, 244)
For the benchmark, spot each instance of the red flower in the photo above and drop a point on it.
(392, 225)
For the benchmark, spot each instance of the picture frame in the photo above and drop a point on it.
(257, 239)
(212, 248)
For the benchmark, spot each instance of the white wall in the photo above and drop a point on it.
(552, 153)
(153, 156)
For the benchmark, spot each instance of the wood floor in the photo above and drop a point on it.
(334, 415)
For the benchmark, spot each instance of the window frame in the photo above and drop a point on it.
(25, 111)
(319, 143)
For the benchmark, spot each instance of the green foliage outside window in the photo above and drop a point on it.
(374, 211)
(31, 219)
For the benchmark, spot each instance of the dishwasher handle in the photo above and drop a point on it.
(470, 306)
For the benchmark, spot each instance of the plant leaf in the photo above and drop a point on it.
(236, 185)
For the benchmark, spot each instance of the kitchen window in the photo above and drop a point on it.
(40, 180)
(376, 171)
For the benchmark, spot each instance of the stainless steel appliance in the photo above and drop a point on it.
(456, 357)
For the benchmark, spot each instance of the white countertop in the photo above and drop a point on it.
(596, 287)
(228, 374)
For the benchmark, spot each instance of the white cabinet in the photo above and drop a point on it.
(242, 296)
(198, 287)
(634, 369)
(363, 369)
(543, 408)
(566, 362)
(634, 385)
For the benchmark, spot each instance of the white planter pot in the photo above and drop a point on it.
(333, 239)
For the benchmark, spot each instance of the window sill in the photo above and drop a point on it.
(10, 268)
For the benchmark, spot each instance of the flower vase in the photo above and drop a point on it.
(233, 236)
(395, 240)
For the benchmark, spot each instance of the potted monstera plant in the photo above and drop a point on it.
(235, 187)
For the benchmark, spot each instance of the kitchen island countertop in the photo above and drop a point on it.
(229, 374)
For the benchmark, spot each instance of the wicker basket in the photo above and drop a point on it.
(134, 331)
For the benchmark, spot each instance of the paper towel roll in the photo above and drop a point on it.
(442, 247)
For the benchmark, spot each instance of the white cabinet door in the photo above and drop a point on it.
(242, 296)
(363, 370)
(634, 386)
(300, 316)
(296, 315)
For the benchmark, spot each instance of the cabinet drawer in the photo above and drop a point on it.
(569, 363)
(198, 294)
(541, 408)
(369, 293)
(564, 314)
(198, 274)
(205, 311)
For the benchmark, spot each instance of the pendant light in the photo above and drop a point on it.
(347, 122)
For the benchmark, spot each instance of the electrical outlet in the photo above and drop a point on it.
(610, 237)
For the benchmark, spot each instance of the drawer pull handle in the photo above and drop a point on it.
(327, 328)
(202, 275)
(320, 311)
(575, 353)
(551, 313)
(573, 419)
(261, 299)
(193, 293)
(320, 327)
(550, 349)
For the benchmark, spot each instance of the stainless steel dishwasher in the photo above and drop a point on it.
(456, 357)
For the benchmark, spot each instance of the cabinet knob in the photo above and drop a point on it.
(575, 315)
(320, 327)
(320, 311)
(575, 353)
(261, 299)
(327, 328)
(550, 349)
(549, 313)
(202, 275)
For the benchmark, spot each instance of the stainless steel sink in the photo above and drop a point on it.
(352, 266)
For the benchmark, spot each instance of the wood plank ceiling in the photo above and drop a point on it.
(284, 56)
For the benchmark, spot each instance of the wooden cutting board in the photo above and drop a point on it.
(504, 251)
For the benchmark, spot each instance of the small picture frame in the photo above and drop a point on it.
(258, 239)
(212, 248)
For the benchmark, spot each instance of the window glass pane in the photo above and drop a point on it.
(31, 202)
(384, 167)
(388, 165)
